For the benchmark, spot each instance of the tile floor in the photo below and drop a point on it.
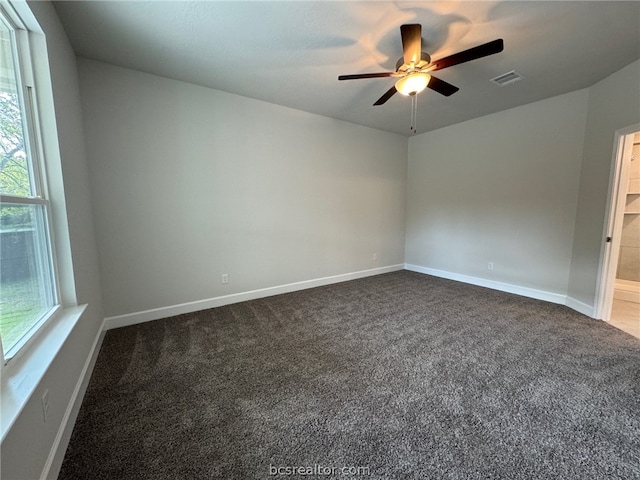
(626, 316)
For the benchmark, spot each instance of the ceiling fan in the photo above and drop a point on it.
(413, 70)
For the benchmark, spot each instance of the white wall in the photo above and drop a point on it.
(501, 188)
(190, 183)
(28, 444)
(614, 103)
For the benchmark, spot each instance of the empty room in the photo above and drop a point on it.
(320, 239)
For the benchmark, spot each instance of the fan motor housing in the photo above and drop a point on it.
(425, 59)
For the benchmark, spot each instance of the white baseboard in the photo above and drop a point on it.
(627, 296)
(581, 307)
(483, 282)
(60, 443)
(172, 310)
(626, 290)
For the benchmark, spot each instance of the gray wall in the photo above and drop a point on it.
(189, 183)
(614, 103)
(502, 188)
(29, 442)
(526, 189)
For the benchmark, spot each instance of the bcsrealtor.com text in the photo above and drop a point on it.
(317, 470)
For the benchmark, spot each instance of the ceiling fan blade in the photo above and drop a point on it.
(411, 42)
(389, 93)
(366, 75)
(480, 51)
(442, 87)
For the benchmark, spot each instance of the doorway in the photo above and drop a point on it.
(619, 296)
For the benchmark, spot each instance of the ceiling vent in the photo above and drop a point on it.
(507, 78)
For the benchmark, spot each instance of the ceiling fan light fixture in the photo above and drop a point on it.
(413, 83)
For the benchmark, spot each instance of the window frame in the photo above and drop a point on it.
(39, 195)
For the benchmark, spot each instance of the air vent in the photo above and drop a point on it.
(507, 78)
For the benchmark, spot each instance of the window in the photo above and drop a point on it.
(28, 291)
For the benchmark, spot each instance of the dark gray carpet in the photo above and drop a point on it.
(403, 375)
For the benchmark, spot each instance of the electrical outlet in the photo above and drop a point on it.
(490, 266)
(45, 405)
(374, 257)
(225, 278)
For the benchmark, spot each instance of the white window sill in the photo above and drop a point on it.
(21, 376)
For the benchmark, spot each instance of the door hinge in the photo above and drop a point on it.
(609, 239)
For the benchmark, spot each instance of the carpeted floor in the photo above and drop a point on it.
(401, 376)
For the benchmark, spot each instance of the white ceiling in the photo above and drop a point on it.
(290, 53)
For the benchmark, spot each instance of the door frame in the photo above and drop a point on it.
(610, 251)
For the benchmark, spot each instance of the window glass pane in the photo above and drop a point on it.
(26, 286)
(14, 166)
